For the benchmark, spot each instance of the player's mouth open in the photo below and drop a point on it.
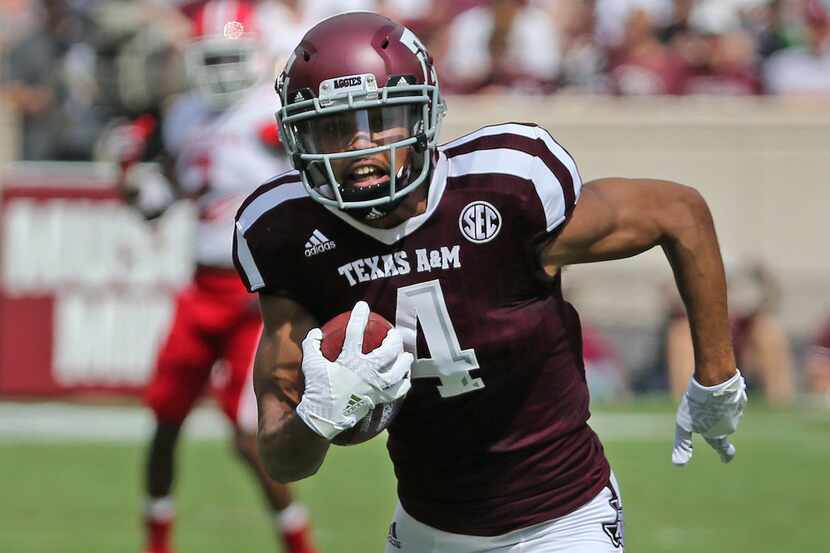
(365, 174)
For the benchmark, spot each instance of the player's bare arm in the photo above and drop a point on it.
(618, 218)
(305, 399)
(290, 449)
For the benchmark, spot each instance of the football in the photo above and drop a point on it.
(334, 334)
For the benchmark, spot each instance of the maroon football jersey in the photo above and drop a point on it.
(493, 435)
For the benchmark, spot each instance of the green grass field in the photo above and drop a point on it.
(775, 497)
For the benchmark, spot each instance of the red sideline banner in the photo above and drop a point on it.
(86, 285)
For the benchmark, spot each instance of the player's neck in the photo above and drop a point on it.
(414, 204)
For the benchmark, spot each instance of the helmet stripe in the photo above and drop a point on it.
(217, 13)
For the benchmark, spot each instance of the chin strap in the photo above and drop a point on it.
(421, 143)
(375, 212)
(298, 162)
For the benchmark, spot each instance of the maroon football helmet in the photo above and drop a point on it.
(358, 89)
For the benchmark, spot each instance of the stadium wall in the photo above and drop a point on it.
(86, 287)
(763, 165)
(8, 133)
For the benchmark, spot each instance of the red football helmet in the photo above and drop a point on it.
(361, 112)
(225, 57)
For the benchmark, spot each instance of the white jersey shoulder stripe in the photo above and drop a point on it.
(564, 157)
(505, 161)
(528, 131)
(503, 128)
(246, 261)
(251, 213)
(268, 201)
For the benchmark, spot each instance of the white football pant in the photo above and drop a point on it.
(596, 527)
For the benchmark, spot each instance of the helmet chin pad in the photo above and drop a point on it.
(376, 212)
(360, 194)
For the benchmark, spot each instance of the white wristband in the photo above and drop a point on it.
(700, 393)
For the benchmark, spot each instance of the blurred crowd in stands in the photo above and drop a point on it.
(764, 352)
(72, 68)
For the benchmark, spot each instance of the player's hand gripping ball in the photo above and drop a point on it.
(379, 418)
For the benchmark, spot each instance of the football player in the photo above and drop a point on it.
(462, 246)
(220, 142)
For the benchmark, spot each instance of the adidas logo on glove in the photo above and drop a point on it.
(355, 403)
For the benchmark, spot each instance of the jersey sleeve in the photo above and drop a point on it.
(258, 241)
(556, 180)
(244, 261)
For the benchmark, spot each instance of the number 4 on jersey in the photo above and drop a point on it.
(425, 303)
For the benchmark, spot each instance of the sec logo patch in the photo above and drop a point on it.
(479, 222)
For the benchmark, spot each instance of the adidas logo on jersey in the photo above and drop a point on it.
(318, 243)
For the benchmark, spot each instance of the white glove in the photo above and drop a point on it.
(123, 145)
(148, 189)
(714, 413)
(338, 394)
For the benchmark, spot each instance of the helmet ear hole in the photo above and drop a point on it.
(385, 43)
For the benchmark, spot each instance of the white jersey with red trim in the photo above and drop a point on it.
(221, 157)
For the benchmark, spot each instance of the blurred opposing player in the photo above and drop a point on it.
(461, 245)
(220, 141)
